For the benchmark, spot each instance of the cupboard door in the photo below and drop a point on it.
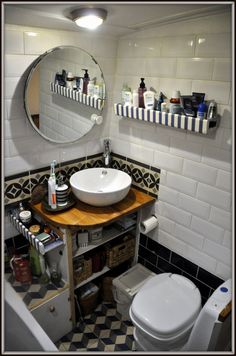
(54, 316)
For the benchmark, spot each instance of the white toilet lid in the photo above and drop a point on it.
(166, 305)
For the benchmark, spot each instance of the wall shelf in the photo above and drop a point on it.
(40, 247)
(182, 122)
(75, 95)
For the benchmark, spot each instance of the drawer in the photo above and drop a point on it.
(54, 316)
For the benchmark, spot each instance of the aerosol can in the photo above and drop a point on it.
(212, 110)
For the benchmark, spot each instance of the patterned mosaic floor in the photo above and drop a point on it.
(103, 330)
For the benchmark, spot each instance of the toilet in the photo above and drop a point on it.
(167, 314)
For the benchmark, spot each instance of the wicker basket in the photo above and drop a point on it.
(83, 272)
(106, 289)
(120, 253)
(89, 303)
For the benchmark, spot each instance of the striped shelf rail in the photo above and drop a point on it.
(75, 95)
(171, 120)
(40, 247)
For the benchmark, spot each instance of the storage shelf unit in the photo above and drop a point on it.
(93, 276)
(108, 234)
(40, 247)
(183, 122)
(75, 95)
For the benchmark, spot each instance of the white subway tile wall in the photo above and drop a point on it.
(194, 206)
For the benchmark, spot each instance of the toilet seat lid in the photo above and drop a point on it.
(166, 305)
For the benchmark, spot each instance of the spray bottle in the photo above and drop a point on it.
(52, 187)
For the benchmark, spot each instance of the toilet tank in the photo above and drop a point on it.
(127, 285)
(209, 332)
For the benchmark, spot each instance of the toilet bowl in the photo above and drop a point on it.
(165, 311)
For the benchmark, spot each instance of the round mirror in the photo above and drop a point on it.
(64, 90)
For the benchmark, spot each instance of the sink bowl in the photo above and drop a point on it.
(100, 186)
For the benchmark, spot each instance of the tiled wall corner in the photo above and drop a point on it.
(160, 259)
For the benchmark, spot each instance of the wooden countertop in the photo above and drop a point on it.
(85, 216)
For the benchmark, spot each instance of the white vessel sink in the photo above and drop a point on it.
(100, 186)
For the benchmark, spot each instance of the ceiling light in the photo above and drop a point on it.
(89, 18)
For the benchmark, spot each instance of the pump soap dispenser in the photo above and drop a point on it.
(142, 88)
(86, 80)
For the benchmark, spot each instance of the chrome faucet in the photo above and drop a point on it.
(107, 153)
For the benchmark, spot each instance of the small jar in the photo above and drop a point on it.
(25, 216)
(70, 81)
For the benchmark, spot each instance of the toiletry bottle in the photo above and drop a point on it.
(212, 110)
(175, 106)
(85, 81)
(135, 98)
(160, 101)
(90, 88)
(34, 261)
(202, 111)
(127, 98)
(70, 81)
(125, 89)
(141, 90)
(52, 187)
(148, 97)
(97, 91)
(163, 107)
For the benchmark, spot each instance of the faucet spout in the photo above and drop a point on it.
(107, 153)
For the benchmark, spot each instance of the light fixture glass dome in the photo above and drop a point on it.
(89, 18)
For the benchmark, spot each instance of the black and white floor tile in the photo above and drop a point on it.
(103, 330)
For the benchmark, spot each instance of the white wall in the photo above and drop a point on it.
(194, 206)
(24, 148)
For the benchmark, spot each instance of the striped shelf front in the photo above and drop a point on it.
(171, 120)
(75, 95)
(40, 247)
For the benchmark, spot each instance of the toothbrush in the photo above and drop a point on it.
(52, 186)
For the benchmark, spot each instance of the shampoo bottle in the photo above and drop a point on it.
(141, 91)
(85, 81)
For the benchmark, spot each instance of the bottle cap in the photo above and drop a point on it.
(176, 94)
(70, 75)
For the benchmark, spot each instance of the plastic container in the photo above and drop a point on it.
(127, 285)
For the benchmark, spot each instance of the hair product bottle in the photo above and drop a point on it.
(142, 88)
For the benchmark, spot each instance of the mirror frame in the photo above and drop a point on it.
(32, 68)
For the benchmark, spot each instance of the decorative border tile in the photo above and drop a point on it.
(17, 189)
(144, 177)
